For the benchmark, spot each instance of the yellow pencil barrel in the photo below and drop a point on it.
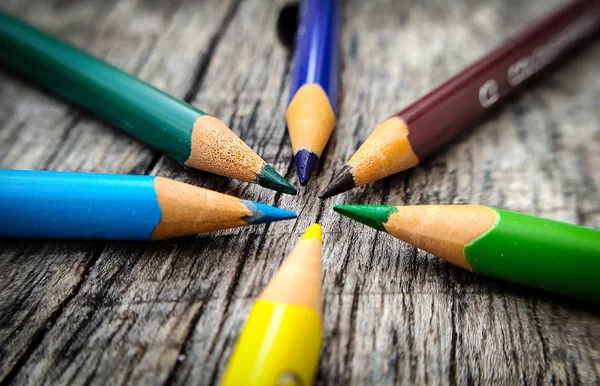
(280, 345)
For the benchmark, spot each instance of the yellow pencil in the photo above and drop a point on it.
(281, 340)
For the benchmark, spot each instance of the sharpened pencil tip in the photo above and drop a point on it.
(262, 213)
(342, 182)
(306, 162)
(374, 216)
(269, 178)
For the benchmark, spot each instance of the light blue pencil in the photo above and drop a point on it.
(39, 204)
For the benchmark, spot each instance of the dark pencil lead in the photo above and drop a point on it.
(342, 182)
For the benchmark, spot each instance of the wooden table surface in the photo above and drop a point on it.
(169, 312)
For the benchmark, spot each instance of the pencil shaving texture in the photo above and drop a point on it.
(188, 210)
(215, 148)
(310, 119)
(298, 280)
(442, 230)
(387, 151)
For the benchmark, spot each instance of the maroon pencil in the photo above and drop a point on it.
(411, 135)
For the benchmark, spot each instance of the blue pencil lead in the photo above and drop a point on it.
(262, 213)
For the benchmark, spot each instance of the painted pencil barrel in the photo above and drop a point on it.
(143, 111)
(546, 254)
(279, 346)
(316, 55)
(77, 205)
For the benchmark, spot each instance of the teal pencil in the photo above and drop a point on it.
(170, 125)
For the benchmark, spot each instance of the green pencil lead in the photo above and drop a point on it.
(374, 216)
(269, 178)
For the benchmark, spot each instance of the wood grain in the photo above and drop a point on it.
(170, 312)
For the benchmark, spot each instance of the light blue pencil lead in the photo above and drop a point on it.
(262, 213)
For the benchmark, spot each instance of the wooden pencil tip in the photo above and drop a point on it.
(216, 149)
(342, 182)
(374, 216)
(298, 280)
(269, 178)
(310, 120)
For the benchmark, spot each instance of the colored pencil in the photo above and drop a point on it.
(39, 204)
(170, 125)
(532, 251)
(280, 342)
(313, 93)
(404, 140)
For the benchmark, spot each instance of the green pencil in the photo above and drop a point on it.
(545, 254)
(162, 121)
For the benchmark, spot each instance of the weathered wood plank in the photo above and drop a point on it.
(170, 312)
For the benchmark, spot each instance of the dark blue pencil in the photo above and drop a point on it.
(40, 204)
(313, 100)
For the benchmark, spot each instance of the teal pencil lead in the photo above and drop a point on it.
(269, 178)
